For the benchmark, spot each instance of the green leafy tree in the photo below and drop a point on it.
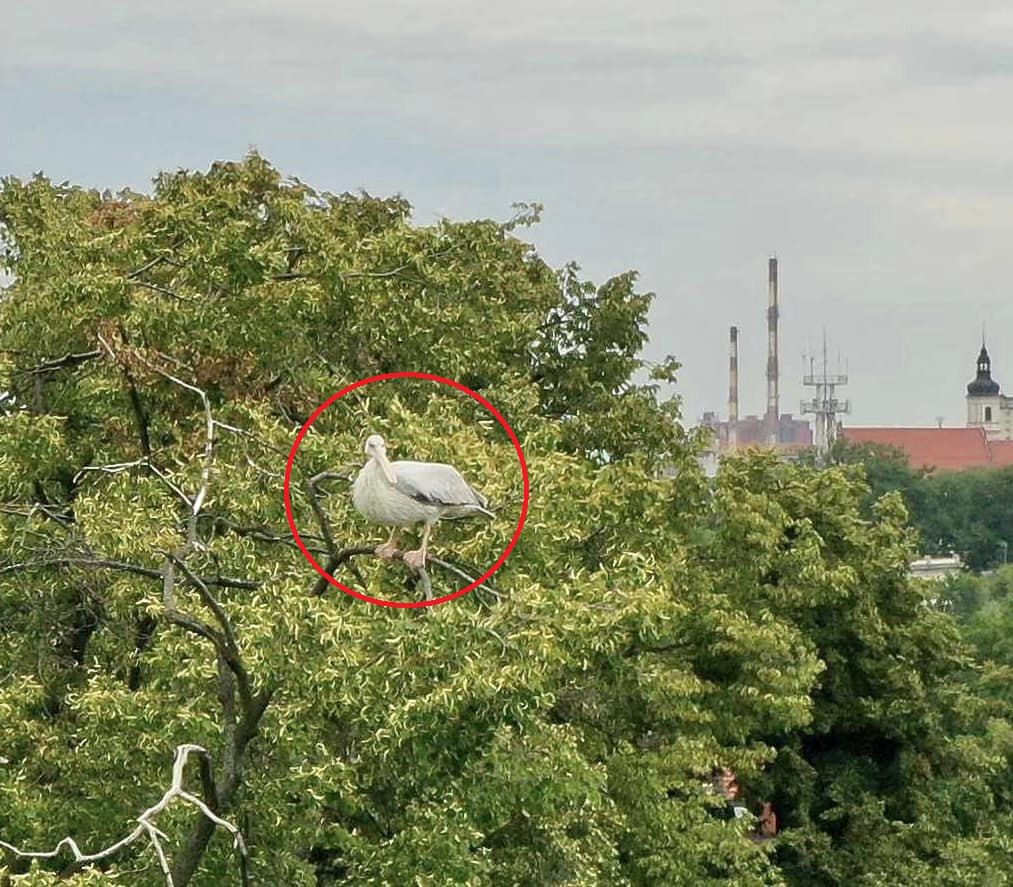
(897, 776)
(969, 512)
(160, 351)
(556, 726)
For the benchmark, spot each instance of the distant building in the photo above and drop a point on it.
(987, 407)
(941, 449)
(936, 567)
(793, 436)
(986, 441)
(752, 431)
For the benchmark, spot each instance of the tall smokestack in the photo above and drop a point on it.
(733, 387)
(773, 409)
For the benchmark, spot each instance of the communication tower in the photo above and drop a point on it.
(825, 405)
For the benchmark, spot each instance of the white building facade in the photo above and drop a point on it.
(987, 406)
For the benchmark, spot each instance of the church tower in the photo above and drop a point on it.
(984, 401)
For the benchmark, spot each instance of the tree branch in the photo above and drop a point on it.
(164, 290)
(59, 363)
(146, 825)
(223, 639)
(64, 519)
(336, 560)
(340, 557)
(457, 571)
(313, 484)
(259, 533)
(239, 730)
(136, 404)
(143, 639)
(346, 554)
(209, 444)
(226, 786)
(124, 567)
(147, 266)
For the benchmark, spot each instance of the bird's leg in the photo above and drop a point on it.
(417, 559)
(389, 548)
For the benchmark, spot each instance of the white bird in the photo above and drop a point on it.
(406, 493)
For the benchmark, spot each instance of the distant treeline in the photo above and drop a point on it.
(966, 512)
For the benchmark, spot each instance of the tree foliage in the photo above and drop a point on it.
(968, 512)
(556, 727)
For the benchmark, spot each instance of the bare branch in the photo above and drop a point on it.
(163, 476)
(144, 462)
(164, 290)
(209, 442)
(147, 266)
(340, 557)
(64, 519)
(136, 404)
(209, 599)
(112, 468)
(377, 275)
(261, 533)
(322, 519)
(184, 620)
(263, 472)
(351, 275)
(457, 571)
(224, 641)
(59, 363)
(496, 635)
(336, 561)
(235, 429)
(146, 824)
(84, 561)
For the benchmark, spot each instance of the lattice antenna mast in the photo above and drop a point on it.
(825, 405)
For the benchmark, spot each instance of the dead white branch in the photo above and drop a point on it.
(145, 824)
(197, 502)
(209, 434)
(112, 468)
(144, 462)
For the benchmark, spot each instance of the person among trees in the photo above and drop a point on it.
(725, 784)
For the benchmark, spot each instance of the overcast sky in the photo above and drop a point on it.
(868, 145)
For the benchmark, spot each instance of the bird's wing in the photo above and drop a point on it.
(434, 483)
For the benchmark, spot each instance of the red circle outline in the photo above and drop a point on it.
(406, 375)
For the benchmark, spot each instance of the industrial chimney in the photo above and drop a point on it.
(773, 417)
(733, 388)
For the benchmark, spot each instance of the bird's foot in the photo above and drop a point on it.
(415, 559)
(388, 551)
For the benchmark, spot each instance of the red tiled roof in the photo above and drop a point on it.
(1002, 452)
(946, 449)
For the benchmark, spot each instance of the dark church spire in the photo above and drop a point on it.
(983, 385)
